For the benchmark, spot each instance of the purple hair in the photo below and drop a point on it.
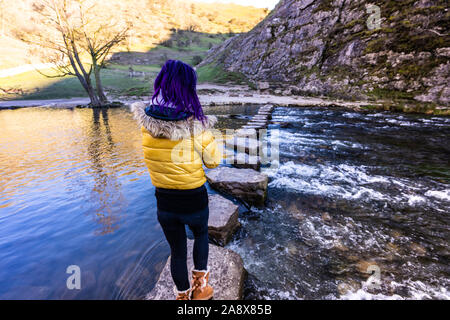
(176, 85)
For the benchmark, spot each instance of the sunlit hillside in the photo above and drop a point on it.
(153, 21)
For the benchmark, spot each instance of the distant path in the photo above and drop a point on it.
(220, 95)
(23, 68)
(44, 103)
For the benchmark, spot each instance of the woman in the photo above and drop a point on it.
(176, 143)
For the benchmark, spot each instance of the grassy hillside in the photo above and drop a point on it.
(190, 47)
(153, 22)
(161, 30)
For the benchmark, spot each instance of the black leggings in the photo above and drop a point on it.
(173, 225)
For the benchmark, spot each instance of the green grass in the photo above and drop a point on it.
(216, 74)
(141, 68)
(115, 77)
(37, 87)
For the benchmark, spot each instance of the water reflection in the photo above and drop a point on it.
(74, 190)
(107, 190)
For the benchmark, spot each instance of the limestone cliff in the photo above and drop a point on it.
(327, 47)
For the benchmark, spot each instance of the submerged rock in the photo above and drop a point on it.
(245, 184)
(227, 275)
(223, 219)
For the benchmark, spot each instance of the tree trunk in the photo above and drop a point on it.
(95, 101)
(98, 83)
(86, 76)
(87, 86)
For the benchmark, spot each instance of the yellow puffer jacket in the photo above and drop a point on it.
(175, 151)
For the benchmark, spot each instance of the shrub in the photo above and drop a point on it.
(168, 43)
(196, 60)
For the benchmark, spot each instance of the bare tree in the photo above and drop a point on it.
(74, 32)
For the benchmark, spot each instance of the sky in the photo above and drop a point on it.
(256, 3)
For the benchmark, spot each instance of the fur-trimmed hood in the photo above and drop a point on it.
(173, 130)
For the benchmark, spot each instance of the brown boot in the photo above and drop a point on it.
(183, 295)
(201, 290)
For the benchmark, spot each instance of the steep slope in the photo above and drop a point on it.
(325, 47)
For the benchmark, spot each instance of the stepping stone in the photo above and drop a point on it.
(257, 121)
(268, 108)
(253, 126)
(223, 219)
(259, 117)
(268, 115)
(246, 133)
(259, 125)
(227, 275)
(244, 161)
(246, 184)
(243, 144)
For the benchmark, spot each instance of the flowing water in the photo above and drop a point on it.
(350, 191)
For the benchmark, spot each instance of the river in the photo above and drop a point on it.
(350, 190)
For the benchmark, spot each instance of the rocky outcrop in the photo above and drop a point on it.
(227, 275)
(245, 184)
(223, 219)
(337, 48)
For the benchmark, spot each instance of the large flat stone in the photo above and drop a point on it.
(227, 275)
(223, 219)
(245, 184)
